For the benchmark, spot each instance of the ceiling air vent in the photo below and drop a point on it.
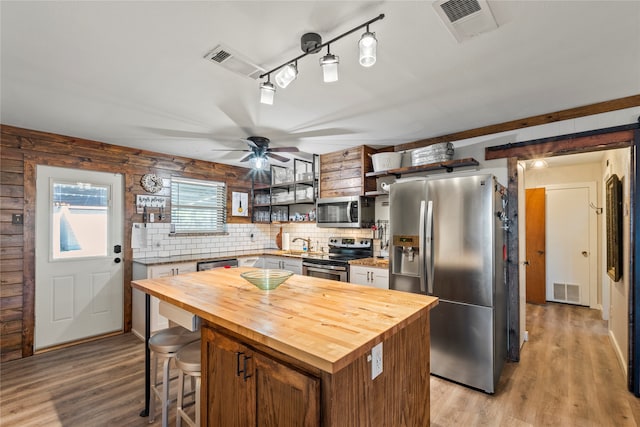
(465, 18)
(233, 61)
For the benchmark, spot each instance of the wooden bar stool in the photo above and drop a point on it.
(188, 364)
(164, 346)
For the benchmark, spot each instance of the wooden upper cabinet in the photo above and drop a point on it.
(343, 173)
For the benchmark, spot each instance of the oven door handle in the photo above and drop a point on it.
(324, 268)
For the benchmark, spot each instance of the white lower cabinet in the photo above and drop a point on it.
(370, 276)
(141, 271)
(281, 263)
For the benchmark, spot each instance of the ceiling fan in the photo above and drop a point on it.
(258, 146)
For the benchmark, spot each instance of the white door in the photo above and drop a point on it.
(79, 273)
(571, 239)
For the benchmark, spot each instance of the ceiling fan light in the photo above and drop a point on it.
(286, 75)
(368, 45)
(267, 93)
(329, 64)
(260, 162)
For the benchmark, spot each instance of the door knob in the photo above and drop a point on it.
(585, 253)
(525, 262)
(117, 260)
(540, 252)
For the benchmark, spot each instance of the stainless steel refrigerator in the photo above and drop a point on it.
(448, 241)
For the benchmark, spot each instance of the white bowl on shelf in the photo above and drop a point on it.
(386, 161)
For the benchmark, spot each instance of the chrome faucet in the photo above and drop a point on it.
(304, 240)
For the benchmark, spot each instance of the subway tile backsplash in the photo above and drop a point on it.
(156, 241)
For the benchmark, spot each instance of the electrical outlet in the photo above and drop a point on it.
(376, 361)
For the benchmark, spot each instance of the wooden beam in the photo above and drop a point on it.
(603, 139)
(571, 113)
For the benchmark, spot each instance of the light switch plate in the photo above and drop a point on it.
(17, 219)
(376, 361)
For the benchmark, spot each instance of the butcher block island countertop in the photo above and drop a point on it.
(321, 329)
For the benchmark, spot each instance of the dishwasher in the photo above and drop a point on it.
(218, 263)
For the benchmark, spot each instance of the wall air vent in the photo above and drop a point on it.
(566, 292)
(465, 18)
(233, 61)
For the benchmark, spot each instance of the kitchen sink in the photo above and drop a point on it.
(299, 252)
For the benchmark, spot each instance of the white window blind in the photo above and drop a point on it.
(198, 206)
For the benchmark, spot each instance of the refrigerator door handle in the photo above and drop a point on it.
(429, 248)
(421, 245)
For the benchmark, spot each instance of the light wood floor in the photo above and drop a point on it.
(568, 376)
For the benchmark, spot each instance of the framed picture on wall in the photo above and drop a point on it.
(239, 204)
(614, 228)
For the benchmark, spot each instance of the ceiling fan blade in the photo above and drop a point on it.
(250, 143)
(247, 157)
(293, 134)
(239, 115)
(277, 157)
(284, 150)
(227, 149)
(173, 133)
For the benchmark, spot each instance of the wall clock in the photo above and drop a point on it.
(151, 183)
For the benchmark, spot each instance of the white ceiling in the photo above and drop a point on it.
(133, 73)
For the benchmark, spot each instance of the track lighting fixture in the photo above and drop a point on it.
(329, 64)
(286, 75)
(267, 92)
(311, 43)
(368, 46)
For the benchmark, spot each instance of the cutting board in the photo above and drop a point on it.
(279, 239)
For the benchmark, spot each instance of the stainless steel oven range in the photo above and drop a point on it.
(335, 264)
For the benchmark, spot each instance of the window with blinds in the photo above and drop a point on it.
(198, 206)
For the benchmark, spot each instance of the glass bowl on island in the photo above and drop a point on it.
(265, 278)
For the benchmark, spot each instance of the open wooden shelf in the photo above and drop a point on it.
(449, 165)
(376, 193)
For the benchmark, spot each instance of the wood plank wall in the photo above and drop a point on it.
(21, 150)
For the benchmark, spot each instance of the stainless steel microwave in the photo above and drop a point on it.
(345, 212)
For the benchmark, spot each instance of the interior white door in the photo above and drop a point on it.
(79, 273)
(571, 239)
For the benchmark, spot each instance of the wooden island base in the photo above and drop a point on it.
(275, 390)
(301, 355)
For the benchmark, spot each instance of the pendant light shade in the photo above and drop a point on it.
(329, 64)
(286, 75)
(267, 92)
(368, 45)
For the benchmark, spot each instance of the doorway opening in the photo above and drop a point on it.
(574, 236)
